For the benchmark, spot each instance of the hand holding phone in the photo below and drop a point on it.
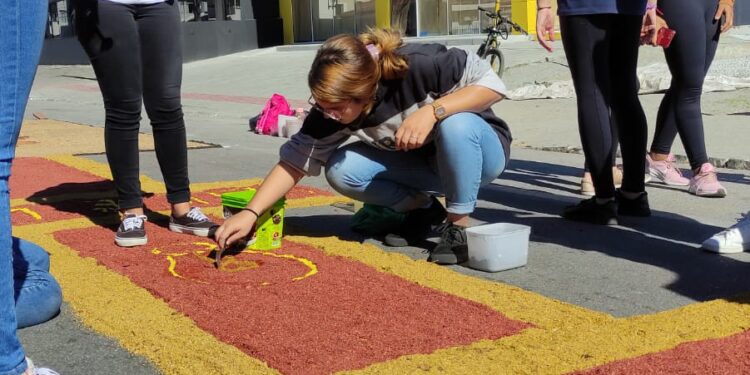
(664, 37)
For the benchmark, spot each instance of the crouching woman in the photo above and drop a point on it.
(422, 116)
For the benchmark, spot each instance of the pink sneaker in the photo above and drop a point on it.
(706, 184)
(665, 171)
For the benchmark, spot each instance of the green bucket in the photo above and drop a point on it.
(269, 226)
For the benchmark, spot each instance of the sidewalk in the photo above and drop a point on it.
(224, 92)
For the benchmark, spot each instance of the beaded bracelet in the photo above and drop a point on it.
(650, 6)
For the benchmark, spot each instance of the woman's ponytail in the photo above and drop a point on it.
(392, 65)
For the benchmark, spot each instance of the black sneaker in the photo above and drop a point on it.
(132, 231)
(194, 222)
(452, 248)
(589, 211)
(632, 207)
(417, 225)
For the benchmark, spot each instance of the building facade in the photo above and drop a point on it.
(213, 28)
(316, 20)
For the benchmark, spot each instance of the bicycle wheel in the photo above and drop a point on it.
(496, 60)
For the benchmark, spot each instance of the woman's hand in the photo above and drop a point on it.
(728, 12)
(415, 128)
(649, 28)
(238, 226)
(545, 28)
(660, 23)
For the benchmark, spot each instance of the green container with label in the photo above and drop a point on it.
(269, 226)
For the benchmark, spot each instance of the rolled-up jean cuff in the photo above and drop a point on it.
(461, 208)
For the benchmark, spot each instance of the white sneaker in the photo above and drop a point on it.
(734, 239)
(32, 370)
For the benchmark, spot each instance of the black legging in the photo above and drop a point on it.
(602, 52)
(136, 52)
(689, 57)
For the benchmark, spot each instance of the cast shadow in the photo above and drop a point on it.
(665, 240)
(543, 175)
(96, 201)
(322, 226)
(737, 178)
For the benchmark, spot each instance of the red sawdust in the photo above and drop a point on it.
(47, 213)
(726, 356)
(346, 316)
(73, 208)
(42, 177)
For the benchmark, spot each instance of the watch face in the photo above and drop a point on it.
(439, 112)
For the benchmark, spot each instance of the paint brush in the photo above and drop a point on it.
(217, 255)
(217, 252)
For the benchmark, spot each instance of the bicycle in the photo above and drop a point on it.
(501, 27)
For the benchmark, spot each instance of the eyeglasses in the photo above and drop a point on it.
(333, 115)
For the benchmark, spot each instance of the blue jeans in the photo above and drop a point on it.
(465, 155)
(21, 33)
(38, 295)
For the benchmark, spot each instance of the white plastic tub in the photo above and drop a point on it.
(498, 247)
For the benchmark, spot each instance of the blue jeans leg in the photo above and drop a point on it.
(469, 155)
(399, 180)
(21, 33)
(38, 295)
(404, 180)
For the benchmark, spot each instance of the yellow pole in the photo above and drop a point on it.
(523, 12)
(285, 10)
(383, 13)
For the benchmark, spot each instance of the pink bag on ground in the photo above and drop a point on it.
(268, 122)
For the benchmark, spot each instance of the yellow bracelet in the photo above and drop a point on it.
(727, 2)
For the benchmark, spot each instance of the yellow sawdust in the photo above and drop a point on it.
(315, 201)
(52, 137)
(112, 305)
(236, 184)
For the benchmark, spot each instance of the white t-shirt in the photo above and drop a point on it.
(132, 2)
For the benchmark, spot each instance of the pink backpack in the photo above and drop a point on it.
(268, 122)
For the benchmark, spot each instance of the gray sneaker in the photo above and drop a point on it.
(452, 248)
(194, 222)
(417, 225)
(132, 231)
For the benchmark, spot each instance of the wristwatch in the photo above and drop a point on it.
(438, 110)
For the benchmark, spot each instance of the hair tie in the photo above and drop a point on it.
(374, 52)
